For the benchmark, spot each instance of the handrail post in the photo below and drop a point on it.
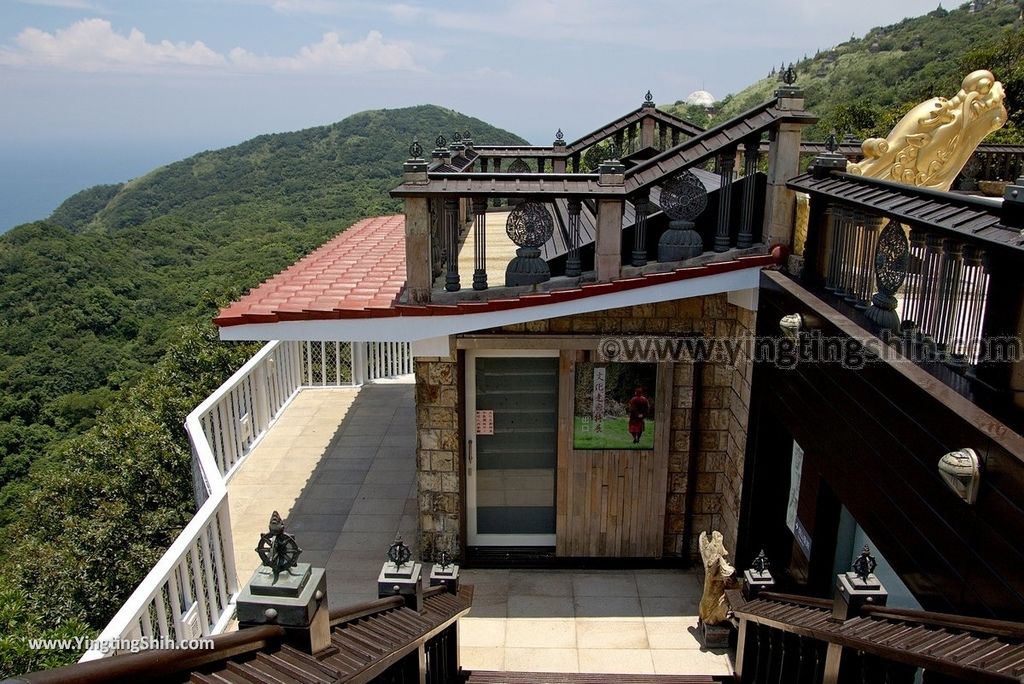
(853, 591)
(783, 164)
(609, 223)
(417, 232)
(726, 164)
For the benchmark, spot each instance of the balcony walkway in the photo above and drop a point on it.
(339, 465)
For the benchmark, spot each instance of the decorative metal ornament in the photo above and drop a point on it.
(684, 197)
(466, 135)
(789, 76)
(648, 98)
(831, 142)
(444, 560)
(441, 142)
(559, 135)
(276, 548)
(760, 565)
(398, 553)
(456, 137)
(892, 259)
(865, 564)
(415, 150)
(518, 166)
(529, 226)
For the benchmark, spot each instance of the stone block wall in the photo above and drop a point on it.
(438, 467)
(721, 416)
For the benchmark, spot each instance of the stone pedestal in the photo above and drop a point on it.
(404, 581)
(295, 600)
(715, 636)
(447, 576)
(852, 592)
(756, 582)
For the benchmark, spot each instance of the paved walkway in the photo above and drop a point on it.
(340, 467)
(641, 621)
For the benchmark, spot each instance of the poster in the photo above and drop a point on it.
(614, 406)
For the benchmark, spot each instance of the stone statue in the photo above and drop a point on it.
(717, 577)
(933, 142)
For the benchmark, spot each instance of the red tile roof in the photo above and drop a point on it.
(362, 268)
(361, 272)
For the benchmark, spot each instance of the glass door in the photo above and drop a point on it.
(512, 429)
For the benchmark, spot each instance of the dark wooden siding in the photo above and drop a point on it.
(875, 438)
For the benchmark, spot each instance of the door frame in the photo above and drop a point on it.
(472, 538)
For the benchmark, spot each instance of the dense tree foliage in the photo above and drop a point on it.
(863, 86)
(96, 375)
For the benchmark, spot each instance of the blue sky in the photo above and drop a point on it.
(179, 76)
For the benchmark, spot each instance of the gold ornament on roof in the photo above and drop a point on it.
(933, 142)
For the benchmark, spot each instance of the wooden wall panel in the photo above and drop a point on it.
(611, 502)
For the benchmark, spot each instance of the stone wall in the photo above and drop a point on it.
(438, 468)
(721, 416)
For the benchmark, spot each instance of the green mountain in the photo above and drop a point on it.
(863, 86)
(100, 356)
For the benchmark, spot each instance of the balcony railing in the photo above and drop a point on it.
(624, 210)
(938, 273)
(190, 592)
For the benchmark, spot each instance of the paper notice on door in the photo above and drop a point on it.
(485, 422)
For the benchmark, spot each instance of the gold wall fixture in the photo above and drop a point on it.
(932, 143)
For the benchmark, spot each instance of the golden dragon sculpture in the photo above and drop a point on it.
(932, 143)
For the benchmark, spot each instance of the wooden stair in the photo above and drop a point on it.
(488, 677)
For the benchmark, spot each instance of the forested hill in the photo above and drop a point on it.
(864, 86)
(100, 356)
(94, 295)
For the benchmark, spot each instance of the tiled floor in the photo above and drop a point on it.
(340, 465)
(641, 621)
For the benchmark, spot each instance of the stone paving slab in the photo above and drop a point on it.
(339, 466)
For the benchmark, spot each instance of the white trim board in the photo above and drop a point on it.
(412, 328)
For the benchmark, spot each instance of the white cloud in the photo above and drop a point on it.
(330, 54)
(93, 45)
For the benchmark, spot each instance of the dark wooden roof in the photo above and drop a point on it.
(983, 650)
(591, 138)
(710, 143)
(973, 218)
(459, 162)
(365, 640)
(508, 185)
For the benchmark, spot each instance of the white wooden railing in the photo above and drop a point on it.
(190, 592)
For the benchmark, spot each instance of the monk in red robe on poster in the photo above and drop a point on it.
(639, 408)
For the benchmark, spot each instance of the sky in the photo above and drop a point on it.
(91, 89)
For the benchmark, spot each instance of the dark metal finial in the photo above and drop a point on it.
(456, 137)
(415, 150)
(649, 98)
(613, 151)
(466, 135)
(398, 552)
(559, 135)
(444, 560)
(441, 142)
(276, 548)
(760, 564)
(865, 563)
(789, 77)
(831, 142)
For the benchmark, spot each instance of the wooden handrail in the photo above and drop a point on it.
(987, 626)
(809, 601)
(354, 612)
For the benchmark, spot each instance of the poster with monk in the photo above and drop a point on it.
(614, 406)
